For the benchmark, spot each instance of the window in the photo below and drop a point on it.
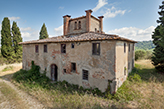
(45, 48)
(75, 25)
(64, 70)
(129, 47)
(96, 48)
(124, 70)
(85, 74)
(79, 24)
(63, 48)
(36, 48)
(95, 29)
(73, 67)
(133, 47)
(72, 45)
(124, 47)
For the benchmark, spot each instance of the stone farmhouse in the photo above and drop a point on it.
(83, 55)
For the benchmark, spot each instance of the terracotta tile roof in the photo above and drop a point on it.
(90, 36)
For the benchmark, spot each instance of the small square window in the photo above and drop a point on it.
(63, 48)
(73, 67)
(72, 45)
(36, 48)
(124, 47)
(85, 74)
(45, 48)
(96, 48)
(64, 70)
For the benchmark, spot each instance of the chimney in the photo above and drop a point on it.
(88, 19)
(101, 23)
(66, 22)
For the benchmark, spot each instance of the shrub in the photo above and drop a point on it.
(140, 54)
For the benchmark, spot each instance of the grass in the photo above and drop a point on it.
(8, 68)
(142, 89)
(10, 96)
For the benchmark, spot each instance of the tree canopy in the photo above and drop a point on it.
(6, 40)
(43, 32)
(158, 40)
(16, 36)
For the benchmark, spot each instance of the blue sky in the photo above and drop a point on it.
(133, 19)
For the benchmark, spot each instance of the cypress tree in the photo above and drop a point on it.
(158, 40)
(6, 41)
(43, 32)
(16, 35)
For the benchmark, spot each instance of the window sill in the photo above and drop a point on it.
(96, 54)
(73, 71)
(77, 29)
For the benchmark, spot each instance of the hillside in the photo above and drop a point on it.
(146, 45)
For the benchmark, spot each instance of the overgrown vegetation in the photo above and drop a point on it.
(143, 54)
(65, 95)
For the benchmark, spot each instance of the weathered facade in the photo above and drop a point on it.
(84, 55)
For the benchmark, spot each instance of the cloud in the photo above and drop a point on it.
(59, 30)
(29, 34)
(61, 7)
(134, 33)
(112, 12)
(26, 29)
(100, 4)
(14, 18)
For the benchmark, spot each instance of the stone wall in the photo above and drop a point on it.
(72, 29)
(122, 59)
(95, 24)
(101, 67)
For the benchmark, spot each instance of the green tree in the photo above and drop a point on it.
(158, 40)
(140, 54)
(6, 41)
(16, 36)
(43, 32)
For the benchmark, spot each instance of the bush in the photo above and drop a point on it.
(32, 75)
(140, 54)
(143, 54)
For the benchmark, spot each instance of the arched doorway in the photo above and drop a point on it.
(54, 72)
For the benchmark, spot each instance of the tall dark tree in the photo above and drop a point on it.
(43, 32)
(158, 40)
(16, 36)
(6, 40)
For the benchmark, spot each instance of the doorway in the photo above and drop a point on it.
(54, 73)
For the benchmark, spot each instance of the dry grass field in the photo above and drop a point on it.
(146, 93)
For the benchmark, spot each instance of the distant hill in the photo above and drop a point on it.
(146, 45)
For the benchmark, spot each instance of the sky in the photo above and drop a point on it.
(133, 19)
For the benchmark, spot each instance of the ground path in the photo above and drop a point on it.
(10, 96)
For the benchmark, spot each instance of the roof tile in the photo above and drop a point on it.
(89, 36)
